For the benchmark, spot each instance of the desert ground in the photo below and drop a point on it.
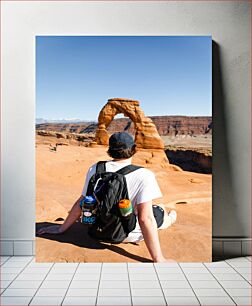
(60, 177)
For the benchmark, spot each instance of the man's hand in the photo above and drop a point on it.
(53, 229)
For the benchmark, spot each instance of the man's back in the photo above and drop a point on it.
(142, 185)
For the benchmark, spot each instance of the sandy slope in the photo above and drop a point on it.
(59, 179)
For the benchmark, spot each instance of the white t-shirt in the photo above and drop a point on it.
(141, 183)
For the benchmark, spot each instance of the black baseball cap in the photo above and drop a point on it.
(121, 141)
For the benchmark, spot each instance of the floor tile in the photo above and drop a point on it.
(114, 270)
(141, 271)
(56, 276)
(191, 265)
(228, 276)
(144, 284)
(175, 277)
(153, 301)
(8, 276)
(114, 292)
(3, 259)
(189, 300)
(249, 257)
(79, 301)
(243, 270)
(62, 270)
(51, 292)
(62, 265)
(114, 284)
(174, 270)
(114, 277)
(234, 284)
(21, 258)
(88, 270)
(200, 276)
(220, 264)
(5, 283)
(104, 300)
(2, 290)
(175, 284)
(114, 264)
(248, 277)
(240, 264)
(219, 270)
(106, 269)
(14, 300)
(134, 276)
(55, 284)
(204, 284)
(24, 284)
(82, 292)
(220, 300)
(140, 264)
(14, 264)
(10, 270)
(146, 292)
(87, 284)
(91, 264)
(239, 291)
(19, 292)
(243, 300)
(86, 277)
(178, 292)
(166, 265)
(47, 300)
(209, 292)
(36, 270)
(29, 276)
(237, 259)
(195, 270)
(40, 265)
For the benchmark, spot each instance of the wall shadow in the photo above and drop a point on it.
(226, 221)
(77, 235)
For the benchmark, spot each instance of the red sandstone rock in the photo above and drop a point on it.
(166, 126)
(146, 135)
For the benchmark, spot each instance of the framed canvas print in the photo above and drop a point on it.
(123, 148)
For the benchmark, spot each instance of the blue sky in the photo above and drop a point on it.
(169, 75)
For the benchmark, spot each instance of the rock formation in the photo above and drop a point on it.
(166, 126)
(146, 135)
(195, 160)
(67, 136)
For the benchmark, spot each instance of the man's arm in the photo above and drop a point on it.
(148, 226)
(71, 218)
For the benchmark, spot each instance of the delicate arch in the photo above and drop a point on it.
(146, 136)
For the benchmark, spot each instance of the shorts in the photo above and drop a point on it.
(158, 213)
(136, 235)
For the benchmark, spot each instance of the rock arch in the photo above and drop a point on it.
(146, 136)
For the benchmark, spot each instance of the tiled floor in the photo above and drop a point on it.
(25, 282)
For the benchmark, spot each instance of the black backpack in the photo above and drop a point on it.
(109, 188)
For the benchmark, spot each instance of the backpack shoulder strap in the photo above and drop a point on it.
(128, 169)
(101, 167)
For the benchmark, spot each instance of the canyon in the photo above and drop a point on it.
(166, 126)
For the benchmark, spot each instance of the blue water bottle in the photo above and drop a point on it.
(88, 207)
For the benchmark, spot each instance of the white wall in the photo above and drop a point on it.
(229, 25)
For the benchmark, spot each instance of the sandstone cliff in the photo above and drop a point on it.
(166, 126)
(195, 160)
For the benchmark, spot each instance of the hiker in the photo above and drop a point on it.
(53, 149)
(141, 189)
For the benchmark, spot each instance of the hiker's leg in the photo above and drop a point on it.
(169, 217)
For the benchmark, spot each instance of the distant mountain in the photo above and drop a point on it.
(166, 126)
(70, 120)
